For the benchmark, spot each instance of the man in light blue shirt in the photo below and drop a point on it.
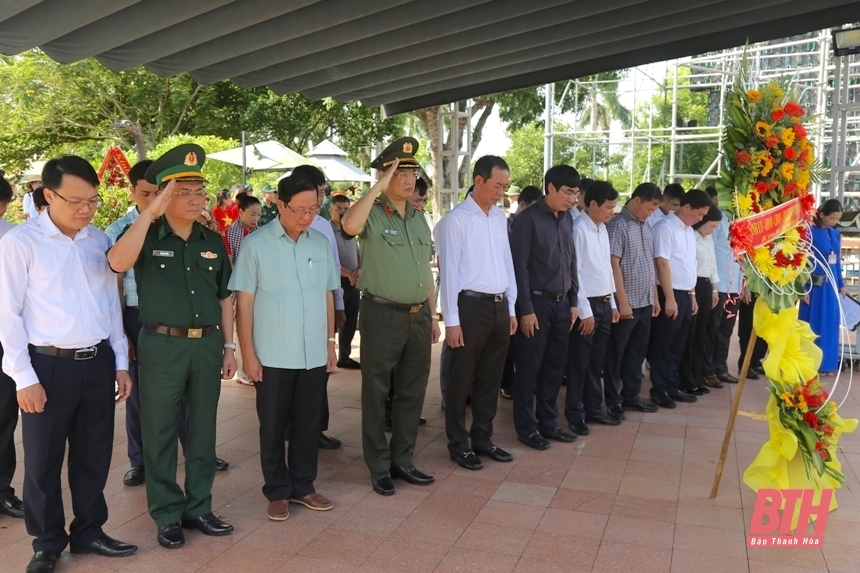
(285, 313)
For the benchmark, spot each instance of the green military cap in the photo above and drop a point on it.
(404, 149)
(268, 189)
(512, 190)
(182, 162)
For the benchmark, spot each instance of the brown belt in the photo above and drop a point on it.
(410, 308)
(601, 298)
(75, 353)
(181, 332)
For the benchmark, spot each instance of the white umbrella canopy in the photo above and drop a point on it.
(332, 160)
(264, 156)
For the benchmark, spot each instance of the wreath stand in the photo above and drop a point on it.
(733, 414)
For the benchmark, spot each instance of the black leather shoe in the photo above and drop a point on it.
(468, 460)
(727, 378)
(680, 396)
(758, 370)
(134, 476)
(664, 401)
(752, 375)
(640, 405)
(329, 443)
(171, 536)
(616, 411)
(43, 562)
(105, 546)
(495, 453)
(535, 441)
(604, 419)
(382, 483)
(698, 391)
(506, 393)
(221, 465)
(558, 435)
(13, 507)
(208, 524)
(580, 429)
(411, 474)
(349, 364)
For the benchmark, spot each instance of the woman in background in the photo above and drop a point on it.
(820, 306)
(226, 211)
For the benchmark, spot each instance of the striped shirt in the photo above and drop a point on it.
(114, 230)
(234, 235)
(631, 242)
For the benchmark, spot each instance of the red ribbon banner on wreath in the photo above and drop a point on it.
(761, 229)
(116, 165)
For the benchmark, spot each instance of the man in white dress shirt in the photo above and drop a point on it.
(675, 264)
(61, 328)
(672, 195)
(479, 293)
(324, 226)
(597, 311)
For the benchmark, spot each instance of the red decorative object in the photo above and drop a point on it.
(114, 168)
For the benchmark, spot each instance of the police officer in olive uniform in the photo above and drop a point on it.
(396, 316)
(186, 343)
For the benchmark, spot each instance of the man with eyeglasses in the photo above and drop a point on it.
(396, 313)
(324, 226)
(547, 287)
(186, 343)
(61, 330)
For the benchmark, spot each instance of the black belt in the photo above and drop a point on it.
(484, 296)
(74, 353)
(181, 332)
(691, 291)
(602, 298)
(549, 295)
(410, 308)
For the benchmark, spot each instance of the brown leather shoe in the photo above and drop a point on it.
(278, 510)
(712, 381)
(313, 501)
(727, 378)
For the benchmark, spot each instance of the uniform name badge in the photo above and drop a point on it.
(831, 259)
(158, 253)
(393, 232)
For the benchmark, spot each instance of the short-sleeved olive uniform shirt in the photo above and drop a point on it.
(181, 284)
(395, 254)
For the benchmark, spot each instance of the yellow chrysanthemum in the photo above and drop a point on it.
(762, 129)
(774, 91)
(743, 203)
(787, 137)
(790, 242)
(787, 398)
(754, 95)
(803, 179)
(801, 403)
(786, 170)
(763, 261)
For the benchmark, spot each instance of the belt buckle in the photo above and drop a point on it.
(416, 308)
(607, 298)
(195, 333)
(559, 297)
(498, 297)
(86, 353)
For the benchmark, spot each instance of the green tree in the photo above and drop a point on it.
(525, 155)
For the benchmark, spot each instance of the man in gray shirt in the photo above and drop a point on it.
(347, 250)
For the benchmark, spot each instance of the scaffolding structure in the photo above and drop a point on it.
(827, 87)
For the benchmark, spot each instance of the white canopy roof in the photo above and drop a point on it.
(265, 156)
(332, 160)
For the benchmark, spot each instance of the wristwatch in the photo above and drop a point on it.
(230, 345)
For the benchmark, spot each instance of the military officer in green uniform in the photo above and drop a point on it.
(270, 206)
(186, 343)
(396, 316)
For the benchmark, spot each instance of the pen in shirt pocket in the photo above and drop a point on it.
(311, 264)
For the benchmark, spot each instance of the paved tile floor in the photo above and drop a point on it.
(628, 498)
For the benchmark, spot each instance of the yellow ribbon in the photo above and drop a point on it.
(793, 357)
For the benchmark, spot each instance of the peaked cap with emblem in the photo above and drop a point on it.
(182, 162)
(404, 149)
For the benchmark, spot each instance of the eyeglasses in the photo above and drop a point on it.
(93, 204)
(406, 175)
(303, 212)
(570, 191)
(185, 194)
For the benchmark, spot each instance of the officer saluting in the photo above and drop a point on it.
(396, 316)
(186, 343)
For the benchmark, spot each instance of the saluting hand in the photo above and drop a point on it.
(385, 177)
(123, 386)
(162, 200)
(32, 399)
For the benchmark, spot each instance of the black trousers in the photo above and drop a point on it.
(540, 362)
(8, 423)
(132, 325)
(80, 411)
(510, 367)
(666, 346)
(723, 319)
(351, 301)
(585, 358)
(476, 366)
(745, 326)
(287, 396)
(699, 339)
(625, 354)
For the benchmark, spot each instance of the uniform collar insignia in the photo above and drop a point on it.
(388, 210)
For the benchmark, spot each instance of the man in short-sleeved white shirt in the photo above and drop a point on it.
(675, 264)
